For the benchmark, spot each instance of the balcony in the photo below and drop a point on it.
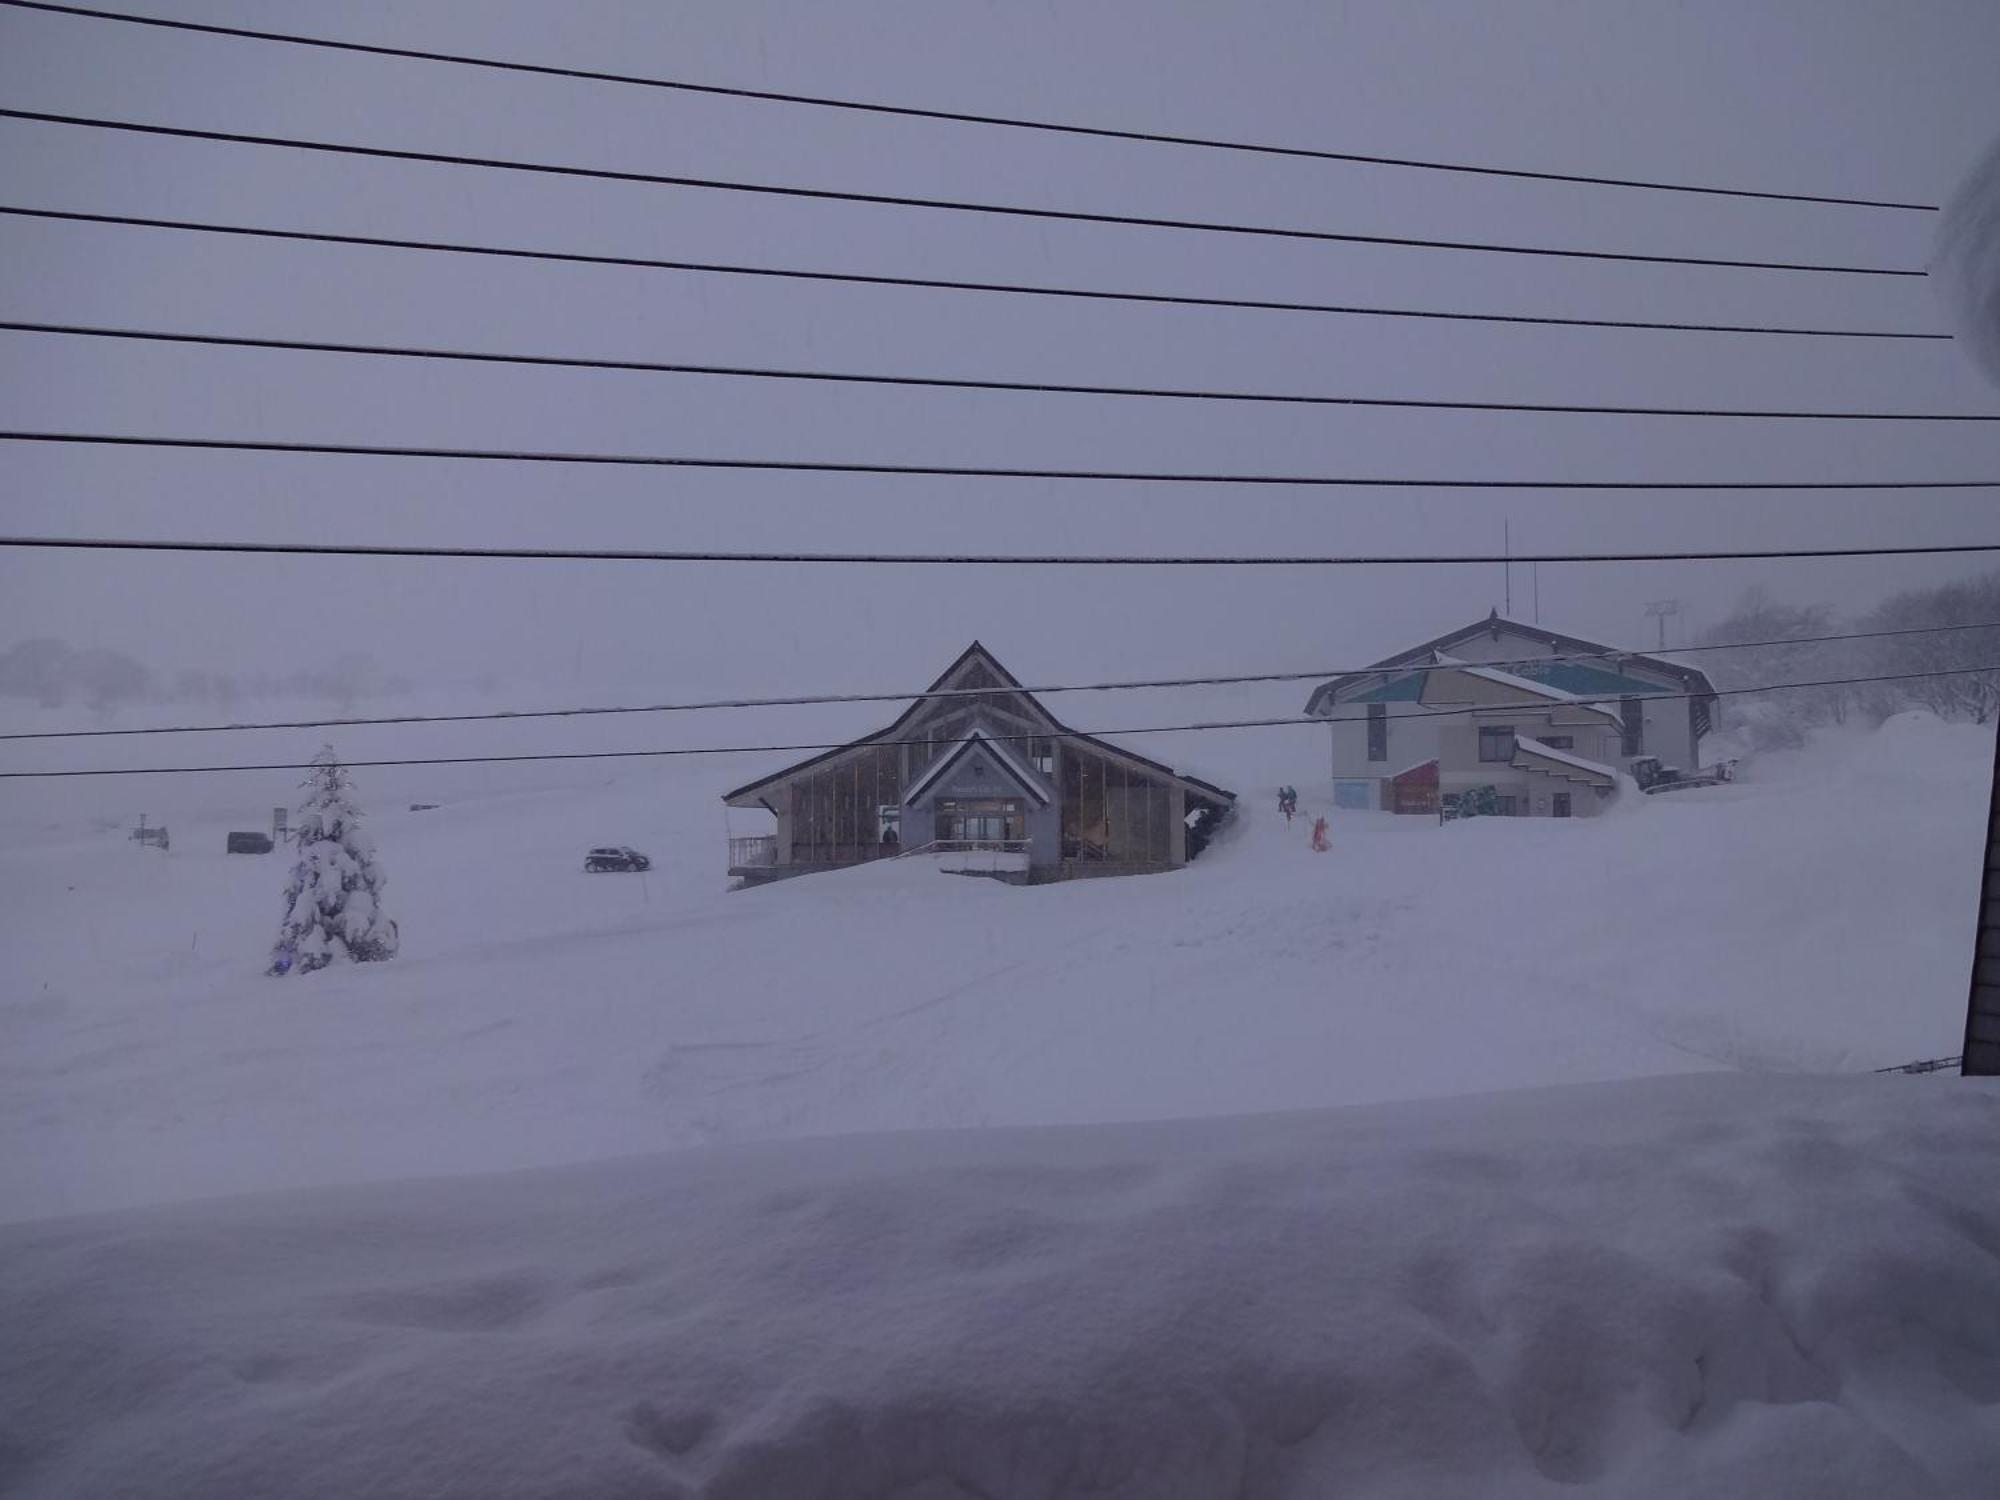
(759, 852)
(975, 856)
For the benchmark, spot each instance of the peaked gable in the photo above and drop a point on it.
(981, 743)
(977, 678)
(975, 681)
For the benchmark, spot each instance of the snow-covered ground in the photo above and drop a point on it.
(1701, 1284)
(1710, 1285)
(1815, 917)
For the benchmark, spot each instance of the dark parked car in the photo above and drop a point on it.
(248, 843)
(620, 858)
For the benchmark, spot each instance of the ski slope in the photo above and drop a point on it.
(1815, 917)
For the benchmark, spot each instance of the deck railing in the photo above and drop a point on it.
(968, 846)
(761, 851)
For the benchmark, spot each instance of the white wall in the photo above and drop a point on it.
(1412, 741)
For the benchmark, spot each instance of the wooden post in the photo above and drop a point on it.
(1981, 1053)
(1125, 785)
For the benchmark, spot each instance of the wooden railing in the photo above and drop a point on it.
(745, 853)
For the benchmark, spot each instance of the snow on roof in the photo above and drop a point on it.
(1568, 758)
(1525, 684)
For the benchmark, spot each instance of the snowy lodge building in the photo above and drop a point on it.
(977, 765)
(1549, 737)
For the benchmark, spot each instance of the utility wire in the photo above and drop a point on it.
(974, 471)
(930, 283)
(1047, 734)
(963, 383)
(971, 559)
(956, 116)
(936, 694)
(904, 200)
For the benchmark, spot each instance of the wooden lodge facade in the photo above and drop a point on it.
(976, 765)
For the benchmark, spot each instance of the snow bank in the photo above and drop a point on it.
(1714, 1286)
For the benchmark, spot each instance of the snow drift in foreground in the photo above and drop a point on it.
(1708, 1285)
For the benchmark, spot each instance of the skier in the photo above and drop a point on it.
(1319, 841)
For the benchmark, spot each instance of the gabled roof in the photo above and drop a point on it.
(979, 739)
(1008, 683)
(1691, 679)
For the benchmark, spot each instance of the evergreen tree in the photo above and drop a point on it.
(333, 901)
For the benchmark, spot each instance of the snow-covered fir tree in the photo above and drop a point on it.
(333, 901)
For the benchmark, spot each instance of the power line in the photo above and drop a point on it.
(1065, 734)
(973, 471)
(936, 694)
(905, 200)
(931, 283)
(964, 117)
(962, 559)
(961, 383)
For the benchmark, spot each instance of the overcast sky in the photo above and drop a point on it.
(1842, 98)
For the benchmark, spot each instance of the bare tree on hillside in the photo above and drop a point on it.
(1779, 720)
(1972, 695)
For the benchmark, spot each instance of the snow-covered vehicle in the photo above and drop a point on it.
(1654, 777)
(599, 861)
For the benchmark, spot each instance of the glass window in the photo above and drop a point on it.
(979, 821)
(1632, 722)
(1559, 741)
(1496, 742)
(1378, 731)
(1043, 754)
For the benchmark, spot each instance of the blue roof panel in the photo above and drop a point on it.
(1588, 682)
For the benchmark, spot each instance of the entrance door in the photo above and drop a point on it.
(981, 821)
(1559, 805)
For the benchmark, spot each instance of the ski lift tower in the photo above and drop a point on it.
(1661, 609)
